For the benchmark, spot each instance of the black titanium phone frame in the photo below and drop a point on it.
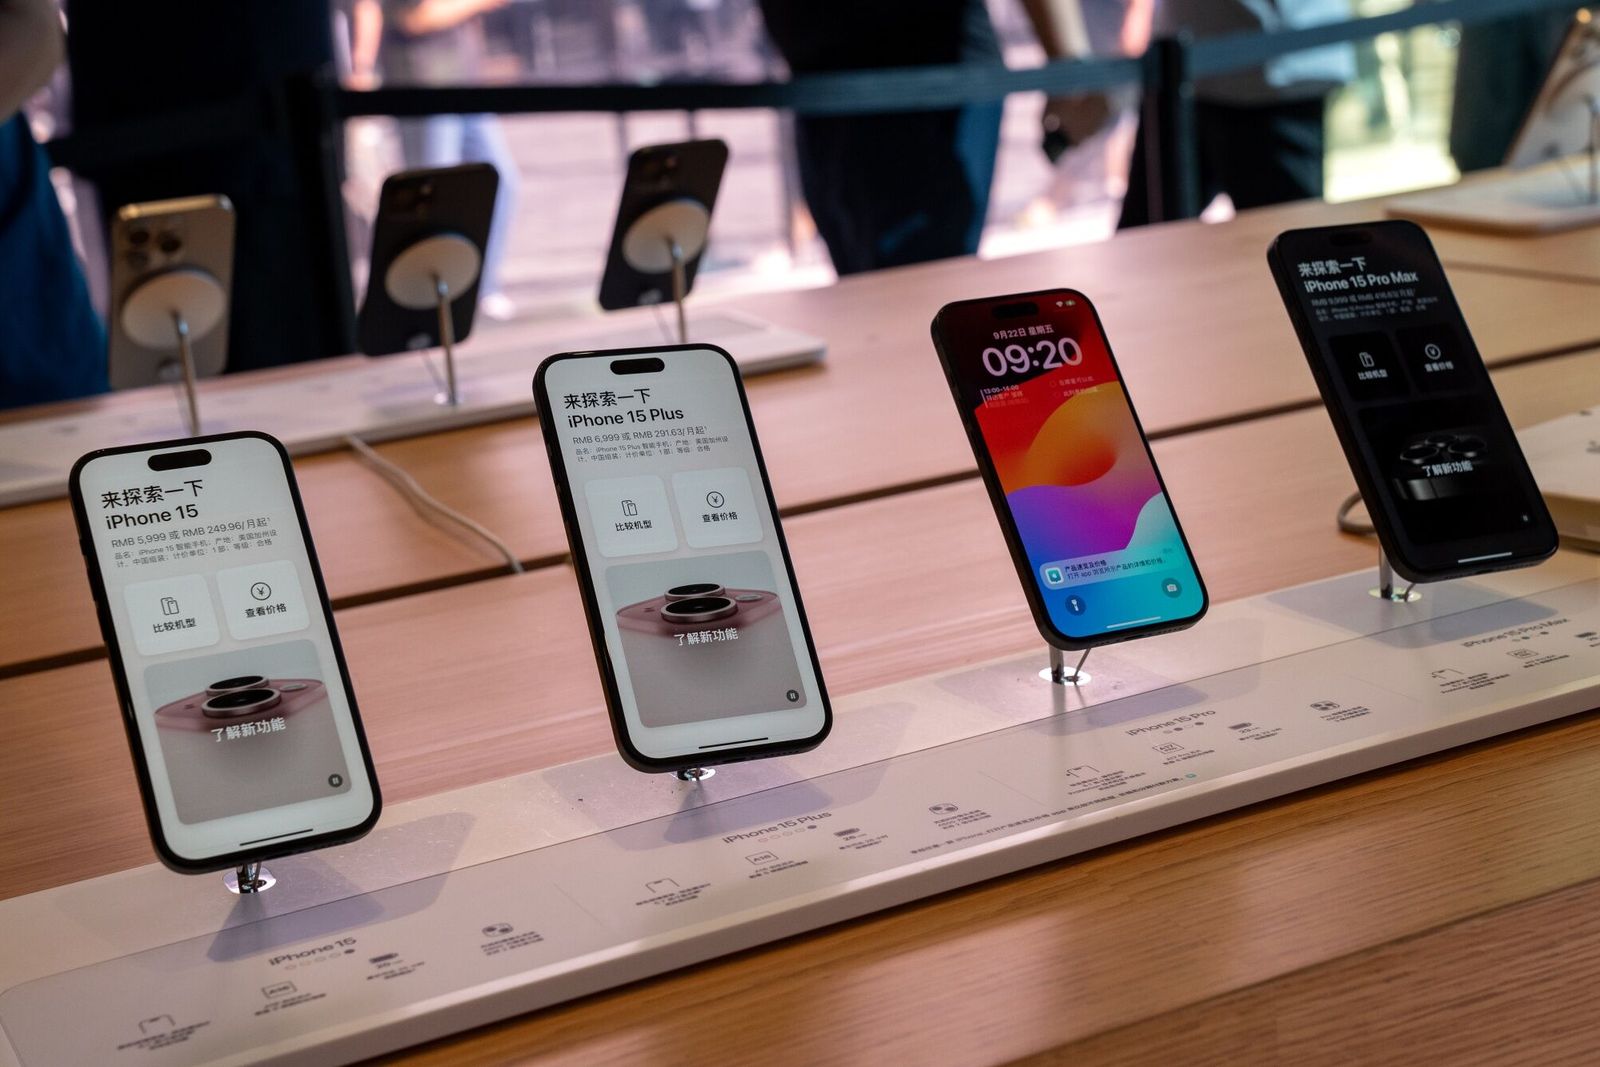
(119, 673)
(580, 561)
(997, 497)
(1343, 419)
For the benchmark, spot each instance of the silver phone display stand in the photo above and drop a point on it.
(1386, 590)
(663, 240)
(251, 877)
(1058, 673)
(694, 774)
(434, 273)
(170, 311)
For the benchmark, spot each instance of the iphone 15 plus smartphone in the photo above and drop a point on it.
(1411, 401)
(1095, 540)
(698, 629)
(238, 708)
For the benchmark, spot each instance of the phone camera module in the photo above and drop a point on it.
(698, 609)
(243, 681)
(240, 702)
(694, 590)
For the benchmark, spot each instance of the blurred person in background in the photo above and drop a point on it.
(52, 346)
(900, 188)
(1499, 68)
(891, 189)
(163, 63)
(1259, 131)
(442, 42)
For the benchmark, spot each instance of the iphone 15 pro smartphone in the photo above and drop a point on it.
(413, 205)
(192, 234)
(698, 629)
(232, 683)
(1433, 454)
(657, 175)
(1082, 506)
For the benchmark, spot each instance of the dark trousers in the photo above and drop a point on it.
(1258, 154)
(887, 190)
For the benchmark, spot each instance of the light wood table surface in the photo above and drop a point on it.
(1276, 909)
(1191, 310)
(1572, 255)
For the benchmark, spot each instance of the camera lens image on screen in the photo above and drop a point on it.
(235, 741)
(1438, 465)
(705, 649)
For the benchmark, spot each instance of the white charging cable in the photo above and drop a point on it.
(423, 502)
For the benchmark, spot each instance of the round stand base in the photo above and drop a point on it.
(694, 774)
(445, 400)
(249, 879)
(1067, 676)
(1398, 596)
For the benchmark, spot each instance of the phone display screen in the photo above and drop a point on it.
(243, 716)
(1038, 384)
(1399, 370)
(691, 584)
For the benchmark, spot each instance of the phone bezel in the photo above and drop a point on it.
(586, 580)
(1385, 521)
(997, 498)
(130, 724)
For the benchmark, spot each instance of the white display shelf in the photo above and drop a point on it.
(373, 399)
(497, 899)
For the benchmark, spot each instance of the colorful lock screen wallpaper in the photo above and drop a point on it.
(1100, 537)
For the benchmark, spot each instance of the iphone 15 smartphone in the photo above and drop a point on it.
(232, 683)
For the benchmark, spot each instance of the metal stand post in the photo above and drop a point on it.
(679, 287)
(434, 273)
(1385, 589)
(186, 358)
(447, 341)
(1594, 149)
(185, 303)
(694, 774)
(664, 240)
(251, 877)
(1060, 674)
